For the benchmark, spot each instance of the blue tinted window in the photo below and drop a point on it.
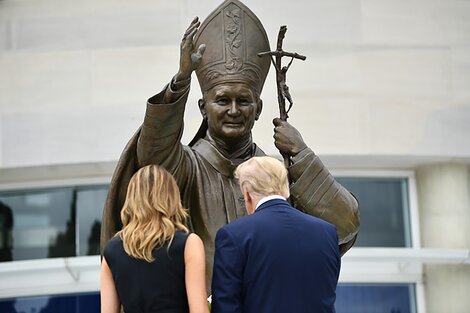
(375, 298)
(383, 203)
(89, 303)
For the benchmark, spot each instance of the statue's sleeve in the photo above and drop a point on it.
(159, 140)
(317, 193)
(156, 142)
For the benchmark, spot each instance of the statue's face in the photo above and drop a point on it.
(231, 110)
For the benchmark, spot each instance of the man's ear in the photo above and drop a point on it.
(202, 107)
(247, 196)
(259, 108)
(248, 202)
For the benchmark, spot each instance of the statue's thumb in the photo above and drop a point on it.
(196, 56)
(201, 49)
(277, 121)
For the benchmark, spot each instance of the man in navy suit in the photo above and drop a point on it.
(276, 259)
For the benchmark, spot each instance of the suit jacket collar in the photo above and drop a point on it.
(273, 202)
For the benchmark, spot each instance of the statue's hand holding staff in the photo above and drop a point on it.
(190, 58)
(287, 138)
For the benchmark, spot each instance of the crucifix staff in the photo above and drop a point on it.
(281, 73)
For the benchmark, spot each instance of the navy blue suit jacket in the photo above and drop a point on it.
(276, 260)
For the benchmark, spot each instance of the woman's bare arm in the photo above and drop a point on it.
(109, 298)
(194, 259)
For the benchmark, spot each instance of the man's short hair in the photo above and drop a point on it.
(263, 176)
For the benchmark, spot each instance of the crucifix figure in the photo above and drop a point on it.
(284, 87)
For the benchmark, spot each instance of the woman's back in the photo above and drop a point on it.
(153, 287)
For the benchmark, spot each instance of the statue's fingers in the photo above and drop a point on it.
(194, 25)
(193, 22)
(191, 34)
(192, 29)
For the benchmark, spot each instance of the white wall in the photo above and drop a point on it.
(383, 80)
(443, 194)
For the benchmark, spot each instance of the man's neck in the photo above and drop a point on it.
(262, 200)
(238, 150)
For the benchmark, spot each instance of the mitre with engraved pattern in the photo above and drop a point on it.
(233, 36)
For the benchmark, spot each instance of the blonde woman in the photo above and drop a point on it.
(153, 264)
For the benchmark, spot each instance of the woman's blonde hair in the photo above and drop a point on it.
(152, 212)
(263, 176)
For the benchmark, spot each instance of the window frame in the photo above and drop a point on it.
(361, 265)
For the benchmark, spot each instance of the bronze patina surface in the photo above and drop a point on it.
(223, 51)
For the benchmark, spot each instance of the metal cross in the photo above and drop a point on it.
(281, 72)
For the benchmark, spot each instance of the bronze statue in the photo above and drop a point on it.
(223, 52)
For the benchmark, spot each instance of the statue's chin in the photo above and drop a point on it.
(235, 135)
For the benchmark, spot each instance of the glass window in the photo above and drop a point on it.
(75, 303)
(6, 227)
(43, 223)
(375, 298)
(53, 222)
(90, 202)
(383, 203)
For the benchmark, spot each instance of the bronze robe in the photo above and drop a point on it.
(208, 188)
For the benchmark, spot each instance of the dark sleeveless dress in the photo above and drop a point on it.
(156, 287)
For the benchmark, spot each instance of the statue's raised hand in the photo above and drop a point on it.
(287, 138)
(190, 58)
